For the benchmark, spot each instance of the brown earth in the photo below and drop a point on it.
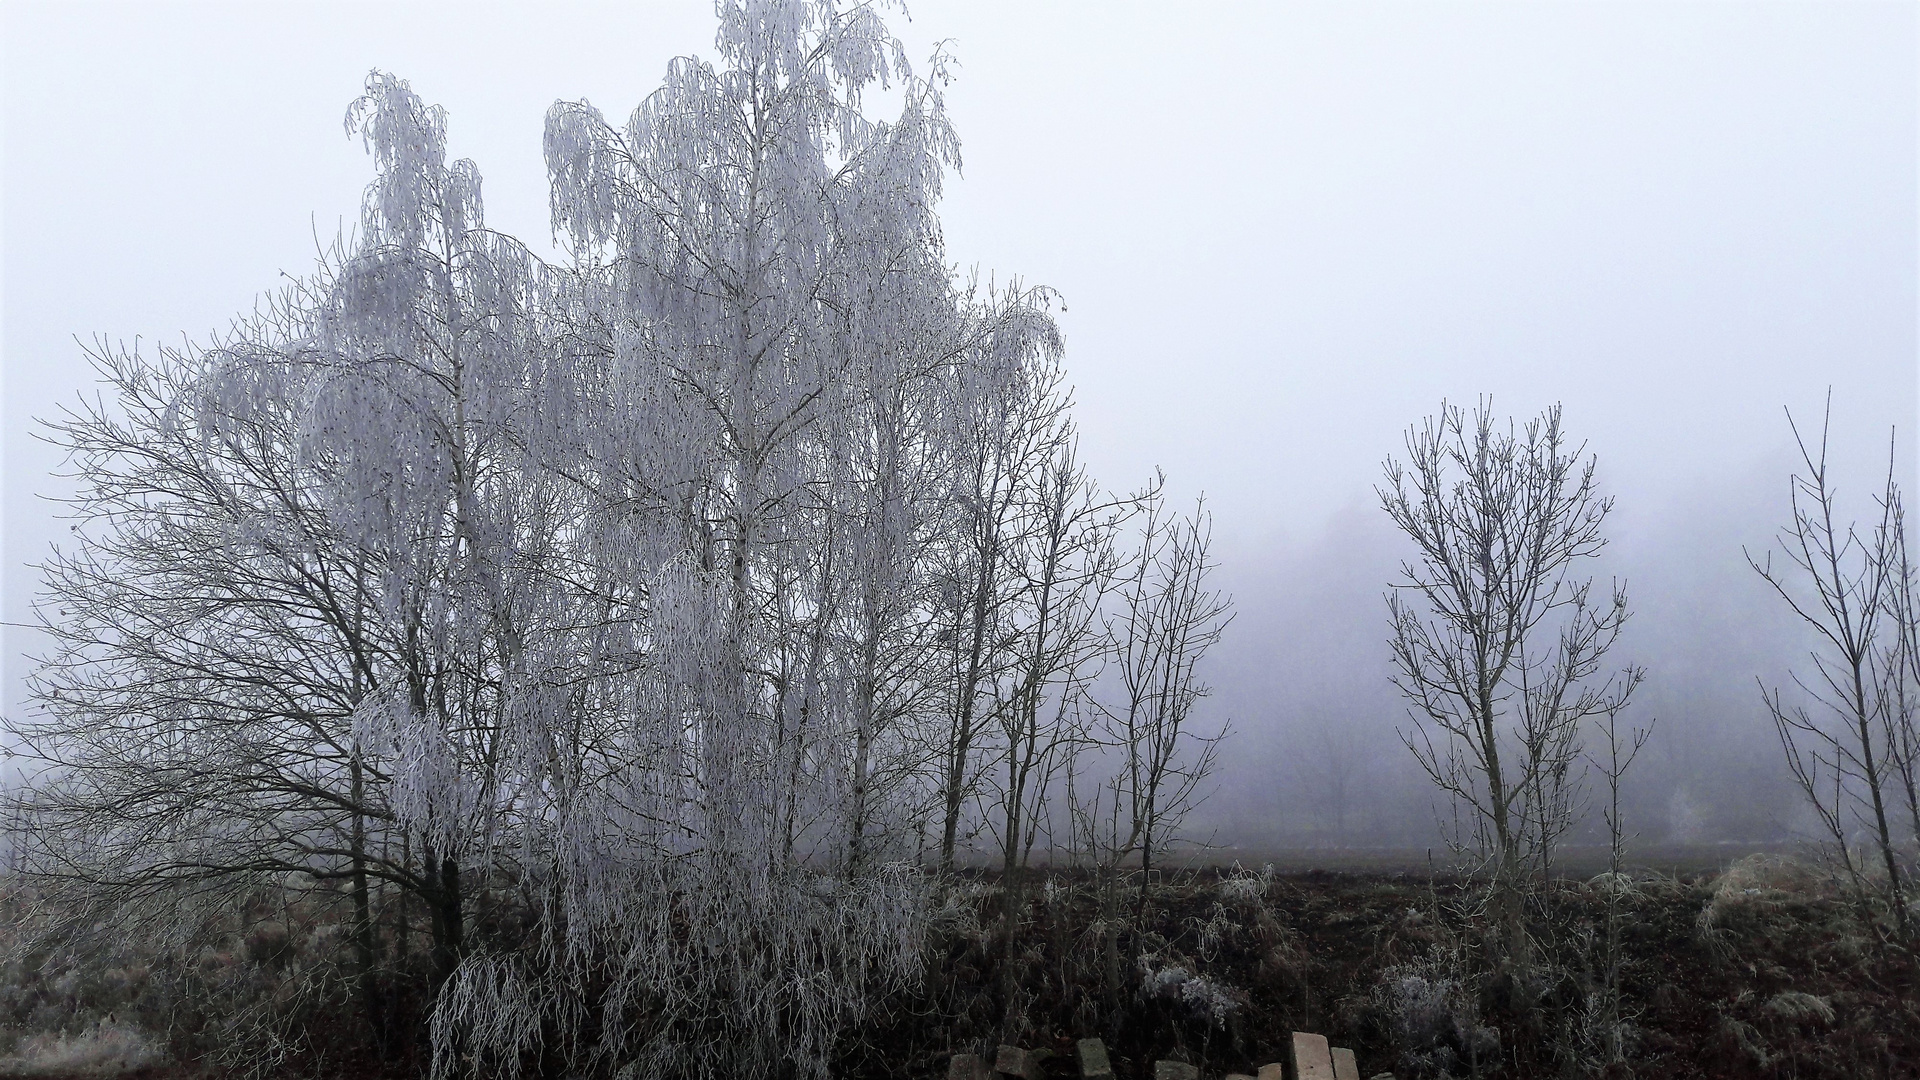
(1761, 972)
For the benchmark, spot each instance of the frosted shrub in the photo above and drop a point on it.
(1613, 884)
(104, 1049)
(1204, 998)
(1434, 1017)
(1243, 887)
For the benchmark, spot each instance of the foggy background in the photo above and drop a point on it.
(1283, 234)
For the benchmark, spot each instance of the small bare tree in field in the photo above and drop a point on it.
(1168, 616)
(1497, 640)
(1061, 569)
(1163, 616)
(1851, 750)
(1005, 422)
(1901, 687)
(1607, 1015)
(1066, 565)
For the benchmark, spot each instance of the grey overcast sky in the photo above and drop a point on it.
(1283, 232)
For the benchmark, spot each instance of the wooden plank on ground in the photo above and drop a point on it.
(1312, 1057)
(1094, 1063)
(1014, 1061)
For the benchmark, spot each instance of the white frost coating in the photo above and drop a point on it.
(624, 597)
(767, 312)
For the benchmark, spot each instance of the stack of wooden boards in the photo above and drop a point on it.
(1309, 1058)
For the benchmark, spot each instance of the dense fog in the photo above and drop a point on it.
(878, 542)
(1305, 675)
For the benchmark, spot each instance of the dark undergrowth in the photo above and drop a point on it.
(1761, 972)
(1756, 973)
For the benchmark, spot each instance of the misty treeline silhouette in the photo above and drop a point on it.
(611, 648)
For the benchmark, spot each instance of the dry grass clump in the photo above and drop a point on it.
(1240, 886)
(104, 1048)
(1614, 884)
(254, 986)
(1766, 879)
(1793, 1005)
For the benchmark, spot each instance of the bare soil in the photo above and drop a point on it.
(1722, 979)
(1763, 971)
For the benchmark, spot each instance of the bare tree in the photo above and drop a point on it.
(1166, 616)
(1004, 417)
(1900, 692)
(1061, 572)
(1330, 768)
(1141, 767)
(1606, 1015)
(1852, 749)
(309, 575)
(216, 634)
(1497, 642)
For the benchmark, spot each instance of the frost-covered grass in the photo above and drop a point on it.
(1791, 983)
(252, 988)
(104, 1048)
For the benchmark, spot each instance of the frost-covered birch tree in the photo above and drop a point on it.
(300, 613)
(619, 627)
(747, 248)
(423, 365)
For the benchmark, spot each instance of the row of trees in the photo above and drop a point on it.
(628, 651)
(1500, 643)
(632, 631)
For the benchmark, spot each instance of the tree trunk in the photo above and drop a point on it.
(1146, 874)
(963, 724)
(446, 906)
(363, 937)
(862, 765)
